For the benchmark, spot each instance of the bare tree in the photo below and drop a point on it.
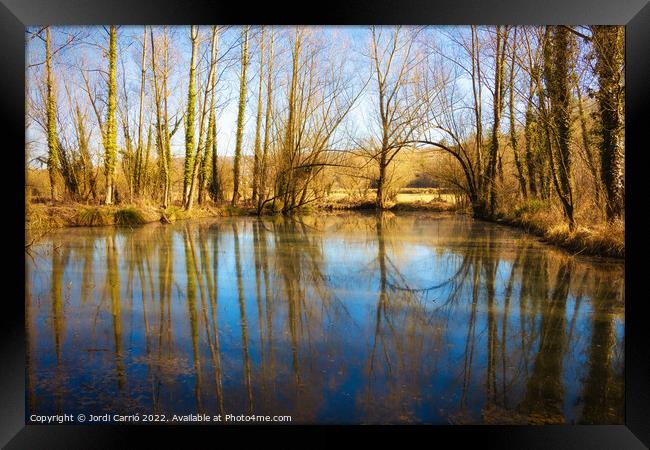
(394, 60)
(501, 38)
(263, 169)
(513, 131)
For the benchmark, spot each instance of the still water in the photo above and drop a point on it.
(349, 318)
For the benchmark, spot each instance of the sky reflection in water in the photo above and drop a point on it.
(331, 319)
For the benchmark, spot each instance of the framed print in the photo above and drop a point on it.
(375, 219)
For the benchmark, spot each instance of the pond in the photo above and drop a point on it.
(332, 318)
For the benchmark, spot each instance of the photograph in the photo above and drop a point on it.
(325, 224)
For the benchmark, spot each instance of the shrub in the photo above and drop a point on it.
(530, 207)
(128, 217)
(230, 210)
(92, 217)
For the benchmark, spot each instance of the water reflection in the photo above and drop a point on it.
(331, 319)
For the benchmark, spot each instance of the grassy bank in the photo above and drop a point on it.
(595, 238)
(41, 218)
(589, 237)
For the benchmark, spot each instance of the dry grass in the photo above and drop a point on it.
(39, 222)
(407, 199)
(94, 216)
(405, 195)
(44, 217)
(419, 205)
(129, 217)
(589, 237)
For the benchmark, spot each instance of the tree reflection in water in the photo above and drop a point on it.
(331, 319)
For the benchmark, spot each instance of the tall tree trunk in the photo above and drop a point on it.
(161, 124)
(383, 117)
(261, 195)
(258, 123)
(189, 118)
(128, 159)
(381, 182)
(284, 179)
(528, 136)
(52, 138)
(240, 117)
(209, 142)
(139, 155)
(208, 152)
(608, 47)
(477, 92)
(110, 145)
(557, 68)
(215, 187)
(586, 145)
(145, 168)
(198, 158)
(168, 150)
(501, 37)
(531, 126)
(513, 133)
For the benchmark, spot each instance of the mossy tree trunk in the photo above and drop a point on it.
(261, 194)
(110, 145)
(497, 109)
(207, 151)
(52, 138)
(608, 47)
(198, 157)
(189, 118)
(215, 181)
(210, 144)
(258, 122)
(240, 117)
(558, 53)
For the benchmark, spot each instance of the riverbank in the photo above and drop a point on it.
(43, 216)
(80, 215)
(368, 205)
(597, 240)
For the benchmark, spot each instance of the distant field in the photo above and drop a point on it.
(406, 195)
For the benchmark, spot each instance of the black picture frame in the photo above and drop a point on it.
(15, 15)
